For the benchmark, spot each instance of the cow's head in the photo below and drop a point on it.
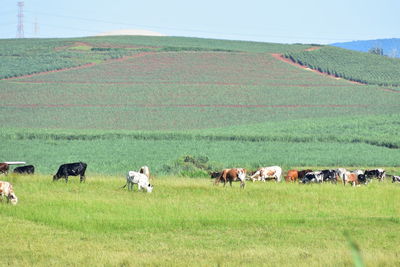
(13, 199)
(149, 188)
(55, 177)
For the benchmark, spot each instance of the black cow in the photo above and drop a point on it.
(377, 173)
(313, 177)
(302, 173)
(362, 179)
(28, 169)
(329, 176)
(74, 169)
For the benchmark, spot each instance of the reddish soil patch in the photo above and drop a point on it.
(313, 48)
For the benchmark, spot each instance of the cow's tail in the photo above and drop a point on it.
(124, 186)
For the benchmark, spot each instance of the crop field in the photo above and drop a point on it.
(191, 222)
(351, 65)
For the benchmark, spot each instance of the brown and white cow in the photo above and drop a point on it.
(231, 175)
(4, 167)
(273, 172)
(6, 190)
(292, 176)
(355, 179)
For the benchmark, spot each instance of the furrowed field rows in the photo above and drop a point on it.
(192, 68)
(180, 91)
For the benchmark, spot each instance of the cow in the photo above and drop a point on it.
(273, 172)
(230, 175)
(313, 177)
(329, 176)
(145, 170)
(377, 173)
(4, 167)
(292, 176)
(355, 179)
(396, 179)
(343, 174)
(140, 179)
(302, 173)
(29, 169)
(74, 169)
(6, 190)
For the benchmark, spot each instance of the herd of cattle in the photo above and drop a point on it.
(142, 177)
(342, 175)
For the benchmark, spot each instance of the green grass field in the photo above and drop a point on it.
(191, 222)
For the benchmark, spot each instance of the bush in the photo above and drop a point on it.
(190, 166)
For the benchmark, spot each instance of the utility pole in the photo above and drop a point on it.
(20, 27)
(36, 28)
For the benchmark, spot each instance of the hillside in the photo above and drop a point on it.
(124, 102)
(391, 47)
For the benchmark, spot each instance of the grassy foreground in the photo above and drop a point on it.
(192, 222)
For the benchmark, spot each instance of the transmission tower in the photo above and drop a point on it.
(20, 27)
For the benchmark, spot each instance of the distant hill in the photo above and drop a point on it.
(391, 47)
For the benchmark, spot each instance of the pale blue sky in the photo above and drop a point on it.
(281, 21)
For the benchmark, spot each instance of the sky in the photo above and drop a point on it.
(279, 21)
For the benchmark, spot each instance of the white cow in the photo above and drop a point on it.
(6, 189)
(273, 172)
(140, 179)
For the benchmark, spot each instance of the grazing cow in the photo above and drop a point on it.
(6, 190)
(302, 173)
(140, 179)
(396, 179)
(145, 170)
(292, 176)
(74, 169)
(4, 167)
(313, 177)
(273, 172)
(355, 179)
(230, 175)
(343, 174)
(29, 169)
(329, 176)
(377, 173)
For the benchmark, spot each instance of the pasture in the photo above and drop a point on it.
(191, 222)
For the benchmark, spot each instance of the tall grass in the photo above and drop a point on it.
(190, 221)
